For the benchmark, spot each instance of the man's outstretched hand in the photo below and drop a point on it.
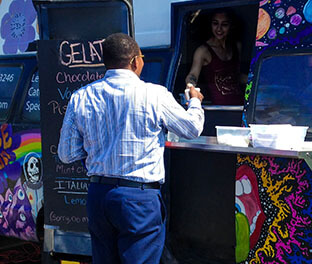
(194, 92)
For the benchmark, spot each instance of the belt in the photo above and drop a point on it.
(124, 182)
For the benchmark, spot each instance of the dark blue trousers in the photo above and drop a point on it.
(127, 225)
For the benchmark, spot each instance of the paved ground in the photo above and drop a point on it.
(17, 251)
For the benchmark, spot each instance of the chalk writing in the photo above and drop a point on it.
(54, 155)
(71, 185)
(75, 201)
(53, 149)
(57, 108)
(66, 94)
(81, 55)
(63, 169)
(64, 77)
(76, 64)
(67, 219)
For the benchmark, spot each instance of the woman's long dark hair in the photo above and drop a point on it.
(201, 26)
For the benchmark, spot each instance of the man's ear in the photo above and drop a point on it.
(134, 64)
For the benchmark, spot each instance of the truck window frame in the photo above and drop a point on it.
(251, 118)
(184, 48)
(43, 8)
(7, 117)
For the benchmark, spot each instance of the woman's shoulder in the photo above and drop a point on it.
(203, 49)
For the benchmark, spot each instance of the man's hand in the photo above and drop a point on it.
(194, 92)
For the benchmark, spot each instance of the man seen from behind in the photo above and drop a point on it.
(117, 124)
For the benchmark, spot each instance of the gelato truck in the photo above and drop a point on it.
(225, 203)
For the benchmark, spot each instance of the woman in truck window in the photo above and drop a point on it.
(217, 62)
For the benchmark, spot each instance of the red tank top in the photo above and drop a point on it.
(222, 79)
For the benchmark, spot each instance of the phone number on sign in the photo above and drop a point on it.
(6, 77)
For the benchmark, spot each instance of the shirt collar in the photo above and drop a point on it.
(123, 73)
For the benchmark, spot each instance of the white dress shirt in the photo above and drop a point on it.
(118, 125)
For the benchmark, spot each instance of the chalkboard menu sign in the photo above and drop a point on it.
(64, 67)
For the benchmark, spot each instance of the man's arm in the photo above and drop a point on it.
(70, 147)
(188, 124)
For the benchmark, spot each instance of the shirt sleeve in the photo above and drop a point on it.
(188, 124)
(70, 147)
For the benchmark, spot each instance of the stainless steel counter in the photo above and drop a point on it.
(204, 143)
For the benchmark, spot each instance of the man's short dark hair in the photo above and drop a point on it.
(118, 50)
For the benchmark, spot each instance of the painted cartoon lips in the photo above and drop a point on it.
(247, 201)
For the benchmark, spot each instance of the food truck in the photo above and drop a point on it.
(263, 191)
(21, 191)
(226, 204)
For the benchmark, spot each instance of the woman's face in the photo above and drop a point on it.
(220, 25)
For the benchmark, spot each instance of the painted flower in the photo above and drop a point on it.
(16, 26)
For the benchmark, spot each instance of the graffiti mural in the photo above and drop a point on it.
(18, 26)
(282, 25)
(273, 204)
(21, 191)
(273, 195)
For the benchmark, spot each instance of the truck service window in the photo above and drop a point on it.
(31, 108)
(9, 76)
(284, 90)
(222, 81)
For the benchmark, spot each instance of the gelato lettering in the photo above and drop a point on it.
(81, 55)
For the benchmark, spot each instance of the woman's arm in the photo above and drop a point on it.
(198, 61)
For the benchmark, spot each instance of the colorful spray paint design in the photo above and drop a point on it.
(282, 25)
(280, 18)
(20, 182)
(273, 201)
